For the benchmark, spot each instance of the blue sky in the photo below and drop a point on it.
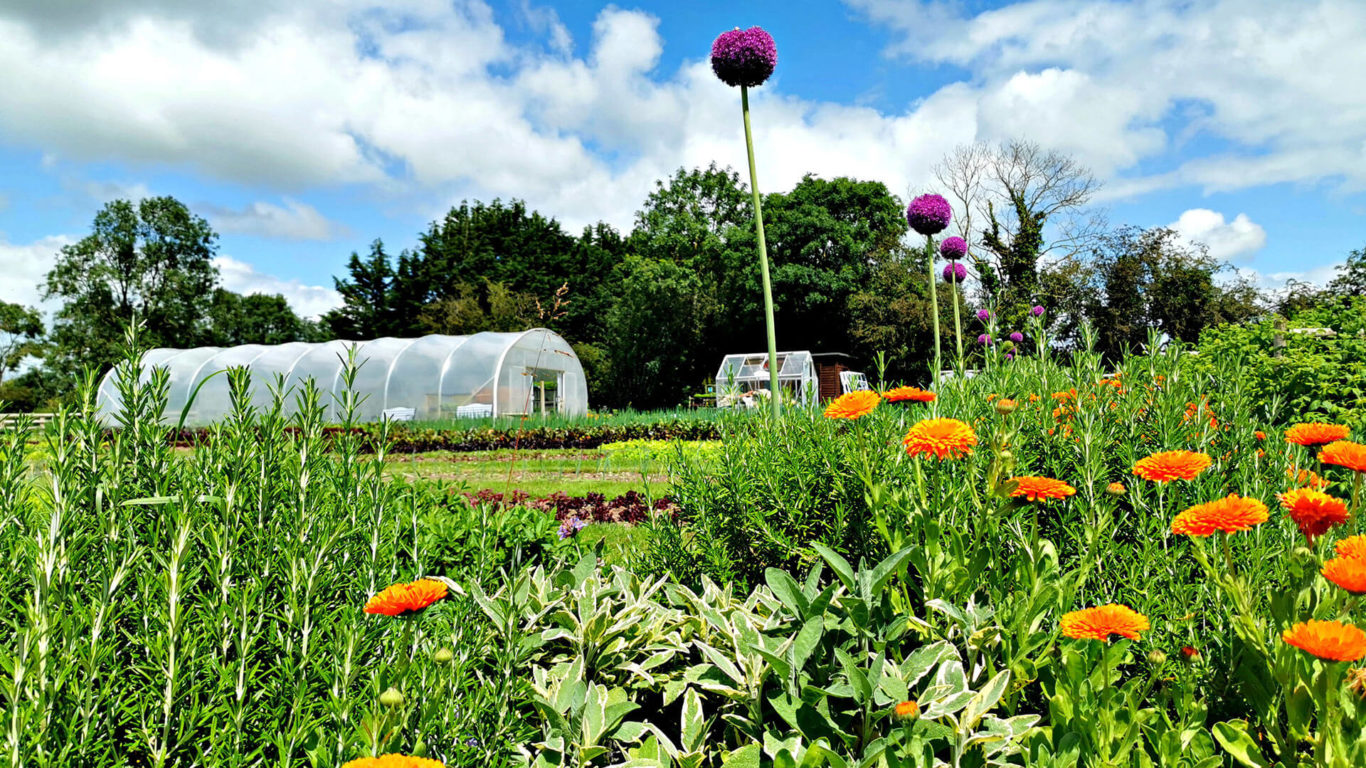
(303, 131)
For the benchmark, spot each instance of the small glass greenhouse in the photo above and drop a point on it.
(740, 377)
(433, 377)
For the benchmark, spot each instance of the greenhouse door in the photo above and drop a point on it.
(545, 390)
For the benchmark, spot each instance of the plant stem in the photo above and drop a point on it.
(763, 257)
(934, 308)
(957, 324)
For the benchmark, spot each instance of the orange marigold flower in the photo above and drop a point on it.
(1041, 488)
(991, 398)
(1063, 397)
(908, 710)
(1345, 453)
(1315, 433)
(1306, 477)
(852, 405)
(913, 394)
(1102, 621)
(1328, 640)
(1352, 546)
(1348, 573)
(1231, 514)
(401, 599)
(394, 761)
(1260, 435)
(1313, 511)
(1172, 465)
(941, 438)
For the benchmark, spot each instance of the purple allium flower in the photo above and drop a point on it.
(955, 270)
(1037, 311)
(984, 339)
(1009, 356)
(1017, 337)
(953, 248)
(929, 214)
(983, 315)
(744, 56)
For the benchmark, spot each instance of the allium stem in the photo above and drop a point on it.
(763, 258)
(934, 307)
(957, 324)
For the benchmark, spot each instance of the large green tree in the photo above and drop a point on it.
(367, 310)
(21, 336)
(150, 261)
(234, 319)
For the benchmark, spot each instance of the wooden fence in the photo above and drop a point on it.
(37, 419)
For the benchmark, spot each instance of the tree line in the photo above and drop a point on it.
(651, 312)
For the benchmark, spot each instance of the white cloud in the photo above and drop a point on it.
(292, 221)
(25, 267)
(1270, 79)
(1225, 239)
(308, 301)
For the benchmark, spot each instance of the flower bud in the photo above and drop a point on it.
(1006, 406)
(907, 711)
(392, 697)
(1115, 489)
(443, 656)
(1157, 657)
(1188, 653)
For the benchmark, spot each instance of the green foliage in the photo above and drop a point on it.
(1318, 373)
(151, 262)
(21, 332)
(234, 319)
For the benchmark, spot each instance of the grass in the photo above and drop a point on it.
(539, 473)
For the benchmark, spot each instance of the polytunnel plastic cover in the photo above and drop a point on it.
(489, 373)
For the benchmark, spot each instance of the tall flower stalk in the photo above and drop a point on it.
(953, 249)
(746, 58)
(929, 215)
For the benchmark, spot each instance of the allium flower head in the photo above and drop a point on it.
(1102, 621)
(983, 315)
(940, 438)
(1313, 511)
(1037, 311)
(1345, 453)
(1172, 465)
(1009, 356)
(1328, 640)
(929, 214)
(955, 270)
(1315, 433)
(912, 394)
(744, 56)
(953, 248)
(1231, 514)
(984, 339)
(1016, 337)
(1040, 488)
(403, 599)
(852, 405)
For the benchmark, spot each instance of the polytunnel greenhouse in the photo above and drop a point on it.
(429, 378)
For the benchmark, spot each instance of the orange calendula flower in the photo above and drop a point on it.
(1041, 488)
(1172, 465)
(852, 405)
(992, 397)
(1033, 398)
(403, 599)
(908, 710)
(1315, 433)
(1231, 514)
(912, 394)
(941, 438)
(1345, 453)
(1313, 511)
(394, 761)
(1260, 435)
(1328, 640)
(1102, 621)
(1347, 572)
(1352, 546)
